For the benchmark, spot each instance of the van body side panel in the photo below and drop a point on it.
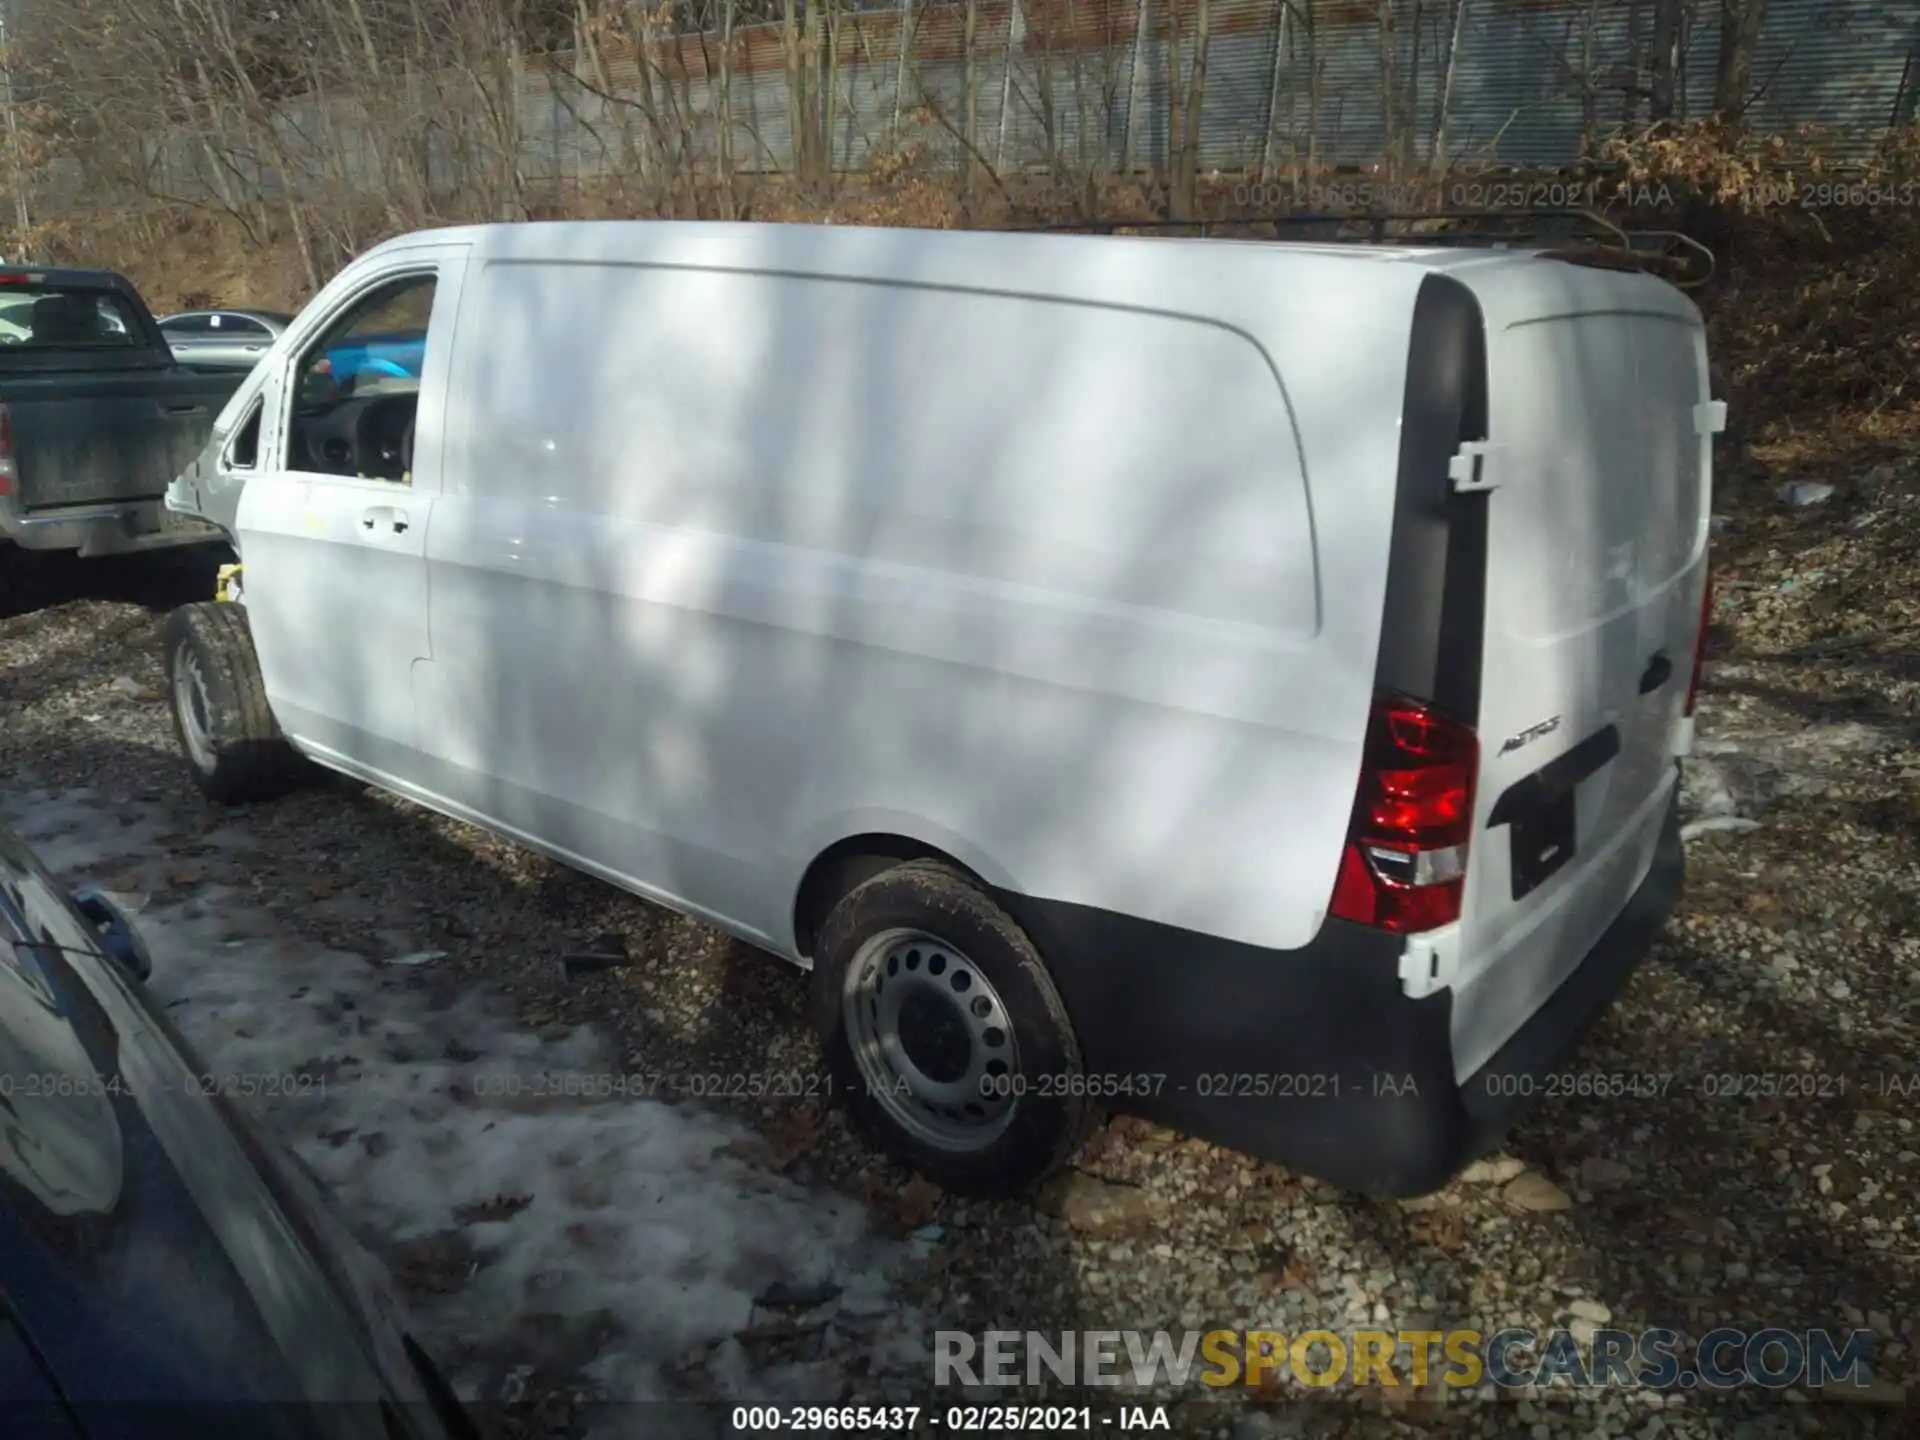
(1040, 573)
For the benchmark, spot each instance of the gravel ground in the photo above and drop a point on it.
(1786, 1203)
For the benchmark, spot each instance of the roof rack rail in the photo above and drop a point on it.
(1581, 237)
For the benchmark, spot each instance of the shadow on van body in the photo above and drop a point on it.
(698, 1003)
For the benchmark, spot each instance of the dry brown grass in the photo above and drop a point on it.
(181, 256)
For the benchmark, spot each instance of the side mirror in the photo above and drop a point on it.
(116, 933)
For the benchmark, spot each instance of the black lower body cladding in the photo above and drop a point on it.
(1316, 1058)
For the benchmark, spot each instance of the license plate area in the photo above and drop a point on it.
(1541, 842)
(1540, 812)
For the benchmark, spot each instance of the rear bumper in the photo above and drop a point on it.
(1316, 1058)
(111, 529)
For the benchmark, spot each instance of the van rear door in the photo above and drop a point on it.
(1598, 463)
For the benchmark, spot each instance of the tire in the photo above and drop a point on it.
(893, 959)
(221, 718)
(16, 573)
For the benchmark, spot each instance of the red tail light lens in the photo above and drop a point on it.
(1405, 863)
(1700, 644)
(9, 471)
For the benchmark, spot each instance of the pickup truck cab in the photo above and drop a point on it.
(1236, 683)
(96, 416)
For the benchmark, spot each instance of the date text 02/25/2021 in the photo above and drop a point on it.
(965, 1420)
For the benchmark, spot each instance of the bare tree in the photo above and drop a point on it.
(1137, 81)
(1740, 24)
(1295, 53)
(1443, 92)
(1187, 116)
(315, 127)
(902, 62)
(1393, 126)
(970, 111)
(730, 200)
(1665, 86)
(1016, 32)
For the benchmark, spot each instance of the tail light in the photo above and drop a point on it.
(1700, 644)
(9, 471)
(1404, 867)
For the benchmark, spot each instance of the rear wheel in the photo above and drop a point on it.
(944, 1031)
(226, 730)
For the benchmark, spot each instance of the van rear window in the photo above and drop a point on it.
(48, 317)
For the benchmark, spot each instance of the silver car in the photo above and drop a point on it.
(222, 339)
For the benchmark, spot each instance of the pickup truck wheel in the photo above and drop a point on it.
(220, 713)
(945, 1033)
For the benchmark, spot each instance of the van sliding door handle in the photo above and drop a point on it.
(1659, 670)
(188, 408)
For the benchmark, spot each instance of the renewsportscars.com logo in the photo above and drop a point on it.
(1772, 1358)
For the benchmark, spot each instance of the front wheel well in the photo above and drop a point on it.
(843, 866)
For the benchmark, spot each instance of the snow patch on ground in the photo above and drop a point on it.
(1742, 767)
(622, 1234)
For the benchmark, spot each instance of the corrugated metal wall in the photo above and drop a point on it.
(1533, 81)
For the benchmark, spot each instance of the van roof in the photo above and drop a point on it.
(1238, 283)
(620, 239)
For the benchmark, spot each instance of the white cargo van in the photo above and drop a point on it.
(1234, 683)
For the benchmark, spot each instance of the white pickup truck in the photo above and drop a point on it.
(1191, 678)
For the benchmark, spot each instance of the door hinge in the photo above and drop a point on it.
(1427, 964)
(1710, 417)
(1468, 467)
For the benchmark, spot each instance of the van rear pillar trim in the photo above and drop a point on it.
(1433, 632)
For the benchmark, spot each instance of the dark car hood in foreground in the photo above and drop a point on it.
(157, 1255)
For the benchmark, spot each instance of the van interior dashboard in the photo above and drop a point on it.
(363, 431)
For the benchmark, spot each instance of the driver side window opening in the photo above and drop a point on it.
(359, 386)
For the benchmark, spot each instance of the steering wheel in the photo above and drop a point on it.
(383, 437)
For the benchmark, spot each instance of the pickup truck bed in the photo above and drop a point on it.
(96, 417)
